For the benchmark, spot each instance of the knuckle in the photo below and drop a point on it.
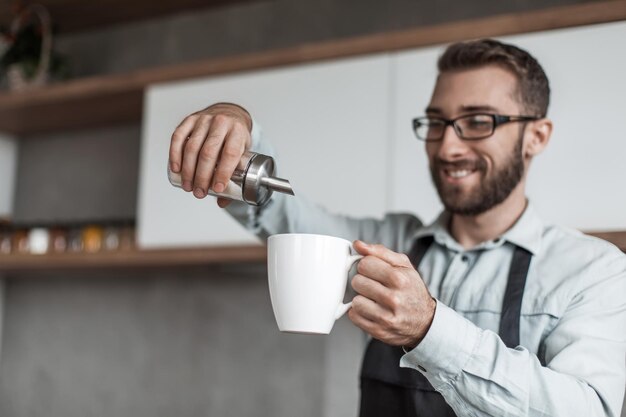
(220, 118)
(240, 124)
(210, 150)
(393, 301)
(178, 136)
(205, 117)
(192, 147)
(231, 152)
(398, 278)
(405, 259)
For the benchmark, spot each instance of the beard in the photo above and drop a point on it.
(492, 190)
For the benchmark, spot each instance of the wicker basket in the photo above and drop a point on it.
(17, 80)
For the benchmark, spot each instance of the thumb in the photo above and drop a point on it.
(381, 252)
(361, 247)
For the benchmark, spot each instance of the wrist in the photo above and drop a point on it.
(428, 321)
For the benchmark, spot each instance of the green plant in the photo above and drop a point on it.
(25, 51)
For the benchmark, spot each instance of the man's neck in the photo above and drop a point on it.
(470, 231)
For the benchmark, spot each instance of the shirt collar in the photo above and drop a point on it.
(525, 233)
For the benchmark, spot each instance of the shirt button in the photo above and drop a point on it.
(421, 368)
(465, 258)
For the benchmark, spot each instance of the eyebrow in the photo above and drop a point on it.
(474, 108)
(464, 109)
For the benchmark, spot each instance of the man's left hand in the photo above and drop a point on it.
(393, 304)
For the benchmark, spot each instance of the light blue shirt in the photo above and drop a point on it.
(571, 358)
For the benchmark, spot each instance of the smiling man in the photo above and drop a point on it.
(486, 312)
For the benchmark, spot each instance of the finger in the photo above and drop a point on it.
(209, 155)
(190, 152)
(369, 326)
(177, 142)
(230, 157)
(223, 202)
(376, 269)
(380, 251)
(371, 289)
(370, 310)
(361, 322)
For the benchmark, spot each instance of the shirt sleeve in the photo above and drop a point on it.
(584, 374)
(296, 214)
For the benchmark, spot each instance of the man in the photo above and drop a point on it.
(507, 315)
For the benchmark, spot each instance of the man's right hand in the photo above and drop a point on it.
(207, 146)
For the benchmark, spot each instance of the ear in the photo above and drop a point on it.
(537, 137)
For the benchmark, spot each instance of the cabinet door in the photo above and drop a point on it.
(8, 166)
(327, 122)
(579, 179)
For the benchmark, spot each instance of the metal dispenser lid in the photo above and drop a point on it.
(259, 182)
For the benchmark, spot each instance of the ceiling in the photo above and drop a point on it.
(78, 15)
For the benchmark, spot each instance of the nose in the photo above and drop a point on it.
(451, 146)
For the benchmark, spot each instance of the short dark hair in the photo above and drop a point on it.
(533, 87)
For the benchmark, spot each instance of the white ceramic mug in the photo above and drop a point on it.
(307, 280)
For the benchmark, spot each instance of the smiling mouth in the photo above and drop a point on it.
(458, 173)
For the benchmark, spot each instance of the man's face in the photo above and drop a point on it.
(473, 176)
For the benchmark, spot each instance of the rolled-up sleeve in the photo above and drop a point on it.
(584, 373)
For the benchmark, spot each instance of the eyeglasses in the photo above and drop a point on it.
(469, 127)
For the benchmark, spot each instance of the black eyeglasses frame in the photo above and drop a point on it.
(498, 120)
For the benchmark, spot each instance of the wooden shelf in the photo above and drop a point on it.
(134, 258)
(80, 15)
(172, 257)
(117, 99)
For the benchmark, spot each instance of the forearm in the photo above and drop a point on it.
(296, 214)
(478, 375)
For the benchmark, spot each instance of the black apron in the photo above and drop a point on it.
(389, 390)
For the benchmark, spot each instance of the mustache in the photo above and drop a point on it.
(460, 164)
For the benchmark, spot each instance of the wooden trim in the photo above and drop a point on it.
(499, 25)
(134, 258)
(104, 100)
(618, 238)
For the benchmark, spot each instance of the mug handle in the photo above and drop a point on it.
(341, 310)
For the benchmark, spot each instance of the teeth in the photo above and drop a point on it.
(459, 173)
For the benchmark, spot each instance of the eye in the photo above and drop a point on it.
(478, 122)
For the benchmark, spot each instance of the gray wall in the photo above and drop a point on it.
(197, 341)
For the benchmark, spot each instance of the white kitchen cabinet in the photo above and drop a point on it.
(328, 123)
(579, 179)
(343, 137)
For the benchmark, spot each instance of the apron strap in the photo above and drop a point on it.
(512, 302)
(419, 249)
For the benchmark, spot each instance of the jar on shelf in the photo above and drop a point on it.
(19, 241)
(58, 239)
(5, 240)
(38, 240)
(74, 239)
(127, 236)
(111, 239)
(92, 238)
